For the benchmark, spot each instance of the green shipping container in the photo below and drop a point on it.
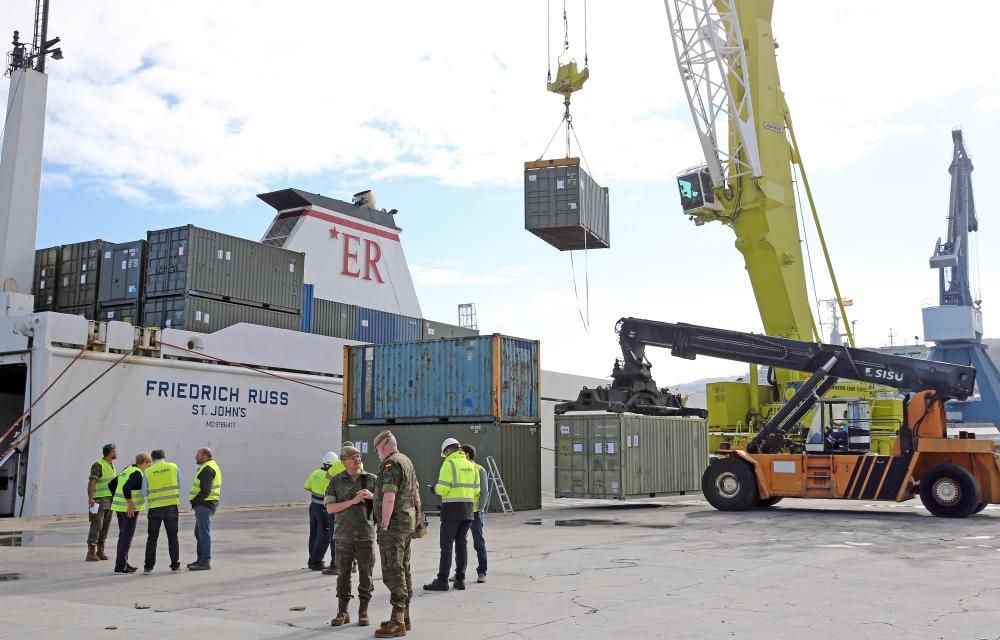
(516, 447)
(619, 456)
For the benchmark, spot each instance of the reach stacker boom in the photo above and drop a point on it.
(955, 477)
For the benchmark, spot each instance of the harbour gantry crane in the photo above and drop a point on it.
(956, 324)
(954, 477)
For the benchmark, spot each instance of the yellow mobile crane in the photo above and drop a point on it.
(725, 53)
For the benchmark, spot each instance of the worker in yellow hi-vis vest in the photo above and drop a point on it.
(206, 491)
(458, 483)
(128, 502)
(321, 522)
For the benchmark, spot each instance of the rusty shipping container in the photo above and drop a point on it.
(619, 456)
(480, 379)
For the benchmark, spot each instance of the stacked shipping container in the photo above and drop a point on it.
(482, 390)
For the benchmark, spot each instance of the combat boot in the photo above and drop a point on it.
(91, 553)
(100, 552)
(343, 617)
(363, 620)
(394, 627)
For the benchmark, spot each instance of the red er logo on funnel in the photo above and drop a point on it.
(352, 245)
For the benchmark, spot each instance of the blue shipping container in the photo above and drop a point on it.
(378, 327)
(307, 308)
(478, 379)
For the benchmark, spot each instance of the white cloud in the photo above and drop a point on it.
(988, 104)
(214, 101)
(439, 276)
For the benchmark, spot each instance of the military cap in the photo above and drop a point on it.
(348, 451)
(382, 436)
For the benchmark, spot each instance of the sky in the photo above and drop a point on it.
(164, 114)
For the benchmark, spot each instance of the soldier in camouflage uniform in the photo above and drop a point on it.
(397, 501)
(349, 496)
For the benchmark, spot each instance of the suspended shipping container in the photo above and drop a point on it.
(610, 455)
(437, 330)
(482, 379)
(210, 264)
(46, 277)
(122, 273)
(515, 447)
(79, 271)
(564, 206)
(334, 319)
(206, 315)
(377, 327)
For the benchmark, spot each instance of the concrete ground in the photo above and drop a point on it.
(664, 568)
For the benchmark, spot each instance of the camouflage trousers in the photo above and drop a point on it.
(347, 552)
(100, 522)
(394, 548)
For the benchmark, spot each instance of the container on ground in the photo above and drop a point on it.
(515, 447)
(609, 455)
(482, 379)
(210, 264)
(564, 206)
(206, 315)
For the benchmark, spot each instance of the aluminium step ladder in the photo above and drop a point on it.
(493, 478)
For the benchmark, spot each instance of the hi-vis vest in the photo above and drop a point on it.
(458, 480)
(101, 484)
(163, 485)
(216, 492)
(119, 503)
(316, 483)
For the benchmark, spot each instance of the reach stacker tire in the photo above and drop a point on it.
(764, 503)
(729, 484)
(949, 491)
(982, 505)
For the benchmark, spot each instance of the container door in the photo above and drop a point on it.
(571, 457)
(605, 461)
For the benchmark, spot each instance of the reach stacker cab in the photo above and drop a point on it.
(955, 477)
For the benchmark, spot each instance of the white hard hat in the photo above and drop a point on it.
(449, 442)
(329, 457)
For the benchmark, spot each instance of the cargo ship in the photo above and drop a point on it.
(192, 338)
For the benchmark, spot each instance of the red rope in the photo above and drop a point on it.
(250, 367)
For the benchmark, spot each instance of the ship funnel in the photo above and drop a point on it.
(364, 199)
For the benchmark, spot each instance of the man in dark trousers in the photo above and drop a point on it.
(163, 497)
(99, 496)
(320, 521)
(482, 499)
(204, 495)
(128, 502)
(349, 495)
(458, 482)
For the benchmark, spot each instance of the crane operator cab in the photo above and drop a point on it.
(840, 425)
